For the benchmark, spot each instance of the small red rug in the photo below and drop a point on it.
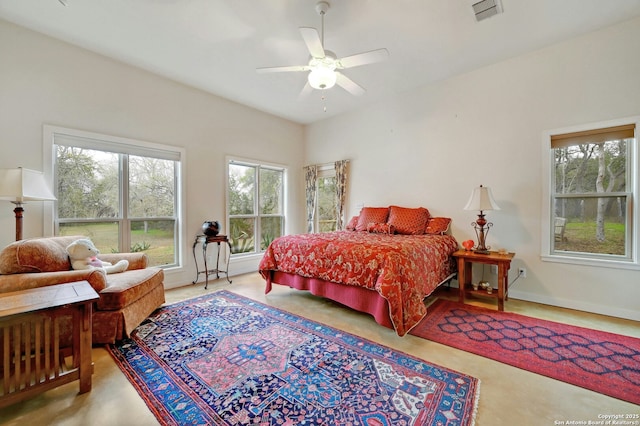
(602, 362)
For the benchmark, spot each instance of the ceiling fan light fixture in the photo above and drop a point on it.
(322, 78)
(324, 66)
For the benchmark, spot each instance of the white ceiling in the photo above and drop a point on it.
(216, 45)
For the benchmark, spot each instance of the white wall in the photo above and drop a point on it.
(430, 147)
(44, 81)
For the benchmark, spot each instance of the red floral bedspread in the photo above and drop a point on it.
(403, 269)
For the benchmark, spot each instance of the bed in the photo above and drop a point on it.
(372, 268)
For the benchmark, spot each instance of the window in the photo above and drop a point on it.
(255, 205)
(325, 194)
(122, 194)
(591, 194)
(326, 206)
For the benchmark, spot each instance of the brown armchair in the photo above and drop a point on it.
(126, 298)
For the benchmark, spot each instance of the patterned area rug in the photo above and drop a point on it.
(603, 362)
(227, 360)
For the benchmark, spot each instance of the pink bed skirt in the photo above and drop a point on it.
(358, 298)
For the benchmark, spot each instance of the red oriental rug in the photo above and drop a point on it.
(599, 361)
(224, 359)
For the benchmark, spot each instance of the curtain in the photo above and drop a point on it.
(341, 187)
(310, 178)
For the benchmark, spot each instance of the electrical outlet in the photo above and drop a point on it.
(494, 269)
(522, 272)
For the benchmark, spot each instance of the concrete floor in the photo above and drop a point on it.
(508, 395)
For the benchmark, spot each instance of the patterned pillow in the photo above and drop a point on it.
(36, 255)
(351, 226)
(381, 228)
(408, 221)
(438, 225)
(371, 215)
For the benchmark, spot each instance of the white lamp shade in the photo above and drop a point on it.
(322, 78)
(481, 199)
(20, 185)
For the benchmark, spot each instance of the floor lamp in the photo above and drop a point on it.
(20, 185)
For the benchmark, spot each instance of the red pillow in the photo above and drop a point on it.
(438, 225)
(351, 226)
(381, 228)
(408, 221)
(371, 215)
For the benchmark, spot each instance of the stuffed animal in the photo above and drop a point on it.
(83, 255)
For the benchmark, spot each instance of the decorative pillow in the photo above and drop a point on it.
(408, 221)
(371, 215)
(36, 255)
(438, 225)
(381, 228)
(351, 226)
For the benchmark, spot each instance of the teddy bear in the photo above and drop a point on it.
(83, 254)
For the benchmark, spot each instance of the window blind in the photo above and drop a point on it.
(593, 136)
(118, 146)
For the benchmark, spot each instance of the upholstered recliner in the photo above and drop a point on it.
(126, 298)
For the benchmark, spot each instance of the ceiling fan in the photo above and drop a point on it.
(323, 65)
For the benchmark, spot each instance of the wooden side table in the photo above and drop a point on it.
(205, 240)
(32, 356)
(466, 259)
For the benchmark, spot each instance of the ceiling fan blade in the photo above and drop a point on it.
(283, 69)
(306, 90)
(312, 40)
(370, 57)
(349, 85)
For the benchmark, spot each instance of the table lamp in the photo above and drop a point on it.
(481, 199)
(20, 185)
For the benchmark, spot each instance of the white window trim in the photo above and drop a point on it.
(633, 187)
(48, 133)
(249, 161)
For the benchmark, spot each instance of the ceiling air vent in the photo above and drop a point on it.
(486, 9)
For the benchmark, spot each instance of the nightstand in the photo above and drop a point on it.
(466, 259)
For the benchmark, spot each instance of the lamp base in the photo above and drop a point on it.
(19, 210)
(481, 227)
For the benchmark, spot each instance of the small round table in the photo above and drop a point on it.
(205, 240)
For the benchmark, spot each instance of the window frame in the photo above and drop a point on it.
(126, 146)
(324, 171)
(256, 207)
(548, 192)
